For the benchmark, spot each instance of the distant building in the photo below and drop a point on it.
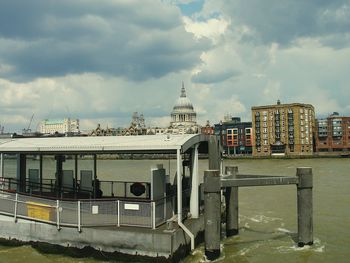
(207, 129)
(62, 126)
(99, 131)
(283, 129)
(137, 125)
(236, 136)
(333, 134)
(183, 116)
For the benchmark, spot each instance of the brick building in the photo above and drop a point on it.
(236, 136)
(333, 134)
(283, 129)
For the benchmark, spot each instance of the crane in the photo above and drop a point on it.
(28, 130)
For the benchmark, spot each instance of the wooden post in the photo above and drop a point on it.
(231, 198)
(212, 216)
(304, 192)
(214, 153)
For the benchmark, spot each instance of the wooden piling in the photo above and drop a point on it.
(231, 198)
(212, 216)
(214, 153)
(304, 193)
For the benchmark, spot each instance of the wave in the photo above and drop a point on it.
(317, 247)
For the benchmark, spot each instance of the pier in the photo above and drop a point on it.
(154, 218)
(72, 207)
(230, 183)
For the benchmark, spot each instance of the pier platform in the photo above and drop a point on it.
(154, 245)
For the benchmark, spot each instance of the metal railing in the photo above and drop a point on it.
(87, 213)
(119, 189)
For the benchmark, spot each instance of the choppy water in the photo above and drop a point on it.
(268, 220)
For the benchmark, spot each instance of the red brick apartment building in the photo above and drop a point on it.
(333, 134)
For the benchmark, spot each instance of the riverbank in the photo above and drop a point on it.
(314, 156)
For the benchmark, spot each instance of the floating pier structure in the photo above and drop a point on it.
(51, 199)
(230, 182)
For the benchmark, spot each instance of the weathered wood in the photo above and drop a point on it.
(305, 207)
(231, 198)
(212, 216)
(214, 153)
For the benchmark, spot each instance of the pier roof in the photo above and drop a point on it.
(107, 144)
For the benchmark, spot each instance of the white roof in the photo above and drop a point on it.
(107, 144)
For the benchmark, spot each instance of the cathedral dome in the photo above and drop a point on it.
(183, 104)
(183, 116)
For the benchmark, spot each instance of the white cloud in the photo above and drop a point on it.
(272, 91)
(212, 28)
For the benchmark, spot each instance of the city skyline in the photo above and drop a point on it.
(100, 62)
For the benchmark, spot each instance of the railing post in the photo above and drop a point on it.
(58, 214)
(79, 216)
(16, 207)
(304, 193)
(231, 198)
(118, 223)
(212, 216)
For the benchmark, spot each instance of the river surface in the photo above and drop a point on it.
(268, 219)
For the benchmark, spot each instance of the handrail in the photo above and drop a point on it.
(52, 187)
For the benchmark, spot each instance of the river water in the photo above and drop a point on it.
(268, 220)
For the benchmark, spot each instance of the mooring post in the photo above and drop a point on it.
(231, 198)
(214, 153)
(304, 192)
(212, 216)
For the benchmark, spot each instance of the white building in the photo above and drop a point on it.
(62, 126)
(183, 116)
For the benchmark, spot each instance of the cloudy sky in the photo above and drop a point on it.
(99, 61)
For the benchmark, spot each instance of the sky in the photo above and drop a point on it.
(100, 61)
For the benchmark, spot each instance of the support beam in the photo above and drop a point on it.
(231, 198)
(304, 192)
(41, 173)
(179, 198)
(2, 171)
(59, 165)
(212, 216)
(75, 175)
(194, 201)
(1, 165)
(95, 176)
(21, 172)
(179, 185)
(256, 181)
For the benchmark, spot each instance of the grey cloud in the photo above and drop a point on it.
(208, 77)
(282, 21)
(132, 39)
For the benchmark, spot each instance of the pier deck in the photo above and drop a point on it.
(160, 244)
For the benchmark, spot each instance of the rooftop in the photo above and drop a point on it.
(109, 144)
